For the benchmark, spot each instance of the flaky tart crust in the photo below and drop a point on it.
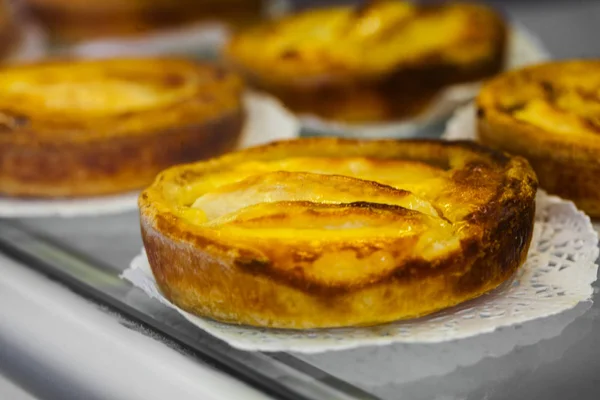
(550, 114)
(86, 128)
(320, 232)
(77, 20)
(381, 61)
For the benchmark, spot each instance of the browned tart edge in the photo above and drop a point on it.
(115, 165)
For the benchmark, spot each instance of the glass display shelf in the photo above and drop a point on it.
(548, 358)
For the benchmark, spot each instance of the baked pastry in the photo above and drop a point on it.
(75, 20)
(549, 114)
(322, 232)
(101, 127)
(10, 34)
(381, 61)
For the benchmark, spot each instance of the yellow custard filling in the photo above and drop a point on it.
(325, 199)
(91, 90)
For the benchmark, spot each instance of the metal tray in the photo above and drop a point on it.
(549, 358)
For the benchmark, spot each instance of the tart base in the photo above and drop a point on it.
(203, 285)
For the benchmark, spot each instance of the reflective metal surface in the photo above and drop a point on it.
(546, 358)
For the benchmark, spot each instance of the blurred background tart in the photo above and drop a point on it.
(549, 114)
(71, 21)
(379, 61)
(84, 128)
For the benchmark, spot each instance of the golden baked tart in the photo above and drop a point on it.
(75, 20)
(381, 61)
(322, 232)
(550, 114)
(101, 127)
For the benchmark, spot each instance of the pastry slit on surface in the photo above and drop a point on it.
(300, 205)
(288, 186)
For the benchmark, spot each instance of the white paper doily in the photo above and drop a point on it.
(557, 275)
(267, 121)
(523, 49)
(463, 124)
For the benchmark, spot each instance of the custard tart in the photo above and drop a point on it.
(322, 232)
(76, 20)
(381, 61)
(10, 34)
(101, 127)
(550, 114)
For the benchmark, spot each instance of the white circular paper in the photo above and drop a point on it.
(267, 121)
(557, 275)
(523, 49)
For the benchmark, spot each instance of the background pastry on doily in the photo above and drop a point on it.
(77, 137)
(386, 68)
(147, 27)
(546, 114)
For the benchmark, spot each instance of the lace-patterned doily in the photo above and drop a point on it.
(557, 275)
(267, 121)
(523, 49)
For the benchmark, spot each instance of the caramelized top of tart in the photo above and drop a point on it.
(86, 99)
(373, 39)
(561, 98)
(338, 210)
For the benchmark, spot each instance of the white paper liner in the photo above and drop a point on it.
(523, 49)
(557, 275)
(33, 44)
(267, 121)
